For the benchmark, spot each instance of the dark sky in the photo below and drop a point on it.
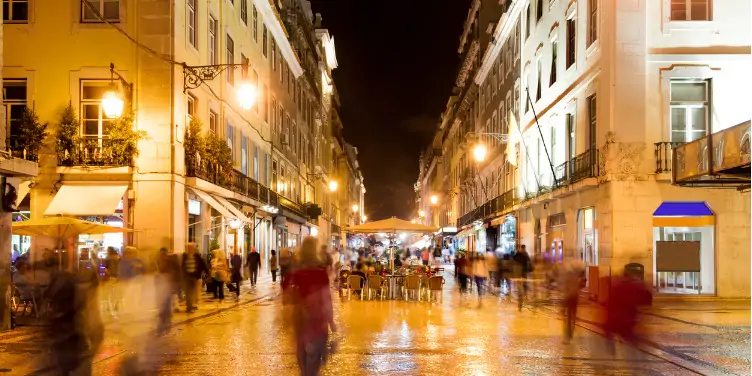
(397, 64)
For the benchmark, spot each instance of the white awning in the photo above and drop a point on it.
(239, 214)
(210, 199)
(74, 200)
(23, 191)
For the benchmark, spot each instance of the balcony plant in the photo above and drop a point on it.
(67, 138)
(32, 134)
(218, 157)
(195, 145)
(123, 140)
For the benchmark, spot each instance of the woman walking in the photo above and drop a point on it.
(273, 265)
(219, 273)
(480, 273)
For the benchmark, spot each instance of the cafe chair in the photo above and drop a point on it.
(376, 283)
(355, 283)
(435, 286)
(412, 285)
(29, 297)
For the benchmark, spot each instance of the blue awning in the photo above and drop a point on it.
(683, 209)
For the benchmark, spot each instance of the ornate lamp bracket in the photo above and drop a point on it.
(194, 76)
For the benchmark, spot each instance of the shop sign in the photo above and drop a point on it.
(194, 207)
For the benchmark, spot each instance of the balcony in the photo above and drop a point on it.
(233, 180)
(94, 151)
(578, 168)
(19, 151)
(720, 159)
(663, 154)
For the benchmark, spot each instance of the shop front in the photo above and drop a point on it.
(336, 233)
(508, 233)
(217, 221)
(587, 236)
(684, 248)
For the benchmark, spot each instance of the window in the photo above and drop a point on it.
(274, 54)
(230, 60)
(244, 67)
(517, 39)
(266, 100)
(244, 11)
(274, 116)
(231, 141)
(571, 152)
(539, 10)
(592, 121)
(527, 22)
(274, 175)
(689, 110)
(554, 57)
(538, 93)
(690, 10)
(592, 21)
(255, 24)
(212, 40)
(516, 100)
(98, 10)
(14, 100)
(264, 39)
(256, 163)
(552, 141)
(504, 117)
(244, 155)
(213, 121)
(95, 124)
(15, 11)
(190, 107)
(190, 21)
(571, 41)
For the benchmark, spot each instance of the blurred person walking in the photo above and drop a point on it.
(627, 294)
(463, 266)
(254, 265)
(193, 268)
(480, 274)
(313, 312)
(273, 265)
(219, 273)
(236, 272)
(570, 281)
(492, 265)
(522, 267)
(167, 286)
(286, 262)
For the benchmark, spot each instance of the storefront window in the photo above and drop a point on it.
(587, 236)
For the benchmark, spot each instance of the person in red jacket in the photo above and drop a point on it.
(313, 311)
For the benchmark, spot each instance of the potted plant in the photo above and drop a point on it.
(66, 145)
(219, 158)
(195, 145)
(32, 135)
(122, 144)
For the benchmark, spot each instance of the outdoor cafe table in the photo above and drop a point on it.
(392, 278)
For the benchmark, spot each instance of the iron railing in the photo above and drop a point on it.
(578, 168)
(17, 150)
(663, 156)
(233, 180)
(96, 151)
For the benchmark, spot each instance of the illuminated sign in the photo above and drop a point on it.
(194, 207)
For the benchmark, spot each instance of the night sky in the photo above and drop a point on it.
(397, 64)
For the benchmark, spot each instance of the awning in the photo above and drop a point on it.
(683, 214)
(239, 214)
(209, 199)
(466, 232)
(75, 200)
(23, 189)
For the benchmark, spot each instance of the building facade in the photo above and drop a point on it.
(249, 74)
(607, 91)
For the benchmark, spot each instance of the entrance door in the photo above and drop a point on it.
(679, 282)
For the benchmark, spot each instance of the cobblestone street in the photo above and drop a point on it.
(455, 336)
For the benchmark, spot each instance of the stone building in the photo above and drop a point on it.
(182, 61)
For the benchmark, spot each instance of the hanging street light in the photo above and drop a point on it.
(333, 185)
(364, 218)
(113, 102)
(247, 95)
(355, 208)
(434, 200)
(479, 152)
(422, 213)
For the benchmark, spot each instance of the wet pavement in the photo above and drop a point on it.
(457, 336)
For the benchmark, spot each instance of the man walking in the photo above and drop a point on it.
(571, 279)
(254, 264)
(193, 267)
(236, 266)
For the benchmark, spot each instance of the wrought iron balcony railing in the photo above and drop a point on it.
(578, 168)
(233, 180)
(95, 151)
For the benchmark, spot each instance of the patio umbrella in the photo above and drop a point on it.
(391, 225)
(62, 227)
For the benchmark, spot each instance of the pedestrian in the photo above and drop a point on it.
(425, 255)
(571, 279)
(254, 265)
(219, 273)
(168, 284)
(313, 312)
(480, 273)
(236, 275)
(627, 294)
(273, 265)
(463, 276)
(492, 266)
(194, 267)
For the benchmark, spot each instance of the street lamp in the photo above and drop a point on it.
(434, 200)
(364, 218)
(112, 100)
(247, 95)
(479, 152)
(422, 213)
(194, 76)
(333, 186)
(355, 208)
